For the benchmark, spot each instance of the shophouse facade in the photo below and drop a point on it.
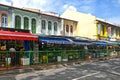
(38, 22)
(69, 27)
(107, 30)
(27, 19)
(19, 18)
(92, 27)
(50, 23)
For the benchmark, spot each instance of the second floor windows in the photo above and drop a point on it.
(26, 23)
(55, 26)
(4, 20)
(51, 28)
(67, 28)
(33, 26)
(17, 22)
(49, 25)
(71, 29)
(43, 23)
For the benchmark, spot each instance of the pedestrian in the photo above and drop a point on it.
(94, 55)
(12, 55)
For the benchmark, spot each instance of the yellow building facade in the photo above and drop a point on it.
(91, 27)
(102, 32)
(86, 26)
(69, 27)
(107, 30)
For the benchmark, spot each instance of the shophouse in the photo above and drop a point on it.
(27, 19)
(69, 27)
(107, 30)
(38, 22)
(93, 27)
(20, 18)
(17, 26)
(50, 23)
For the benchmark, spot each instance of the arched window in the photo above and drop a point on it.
(67, 28)
(49, 25)
(17, 22)
(33, 23)
(4, 20)
(26, 23)
(43, 24)
(55, 26)
(71, 29)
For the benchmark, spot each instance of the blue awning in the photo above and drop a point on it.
(83, 43)
(103, 43)
(54, 40)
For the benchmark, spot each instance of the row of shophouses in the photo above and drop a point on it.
(70, 23)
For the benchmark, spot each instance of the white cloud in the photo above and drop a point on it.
(69, 7)
(26, 3)
(53, 5)
(72, 8)
(65, 6)
(44, 5)
(5, 2)
(39, 4)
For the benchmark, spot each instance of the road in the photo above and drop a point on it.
(102, 70)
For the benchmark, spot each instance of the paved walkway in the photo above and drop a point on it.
(25, 69)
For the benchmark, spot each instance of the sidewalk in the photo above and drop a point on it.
(32, 68)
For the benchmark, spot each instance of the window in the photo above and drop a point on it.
(71, 29)
(49, 25)
(4, 20)
(55, 26)
(26, 23)
(103, 30)
(17, 22)
(112, 31)
(43, 24)
(67, 28)
(99, 28)
(33, 23)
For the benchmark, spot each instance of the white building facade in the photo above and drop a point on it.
(50, 24)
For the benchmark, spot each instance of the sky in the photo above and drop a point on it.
(104, 9)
